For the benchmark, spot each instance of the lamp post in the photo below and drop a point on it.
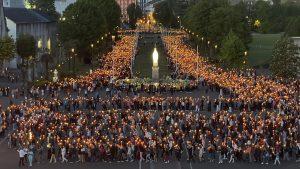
(92, 47)
(113, 66)
(208, 42)
(73, 51)
(197, 63)
(179, 20)
(245, 53)
(216, 47)
(203, 46)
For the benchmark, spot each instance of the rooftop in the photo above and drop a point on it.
(23, 15)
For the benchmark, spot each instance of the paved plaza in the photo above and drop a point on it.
(149, 84)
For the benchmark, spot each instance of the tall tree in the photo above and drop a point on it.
(111, 12)
(274, 18)
(26, 49)
(83, 24)
(7, 49)
(165, 15)
(229, 18)
(197, 19)
(212, 20)
(47, 6)
(26, 46)
(232, 52)
(262, 10)
(285, 60)
(46, 59)
(134, 13)
(293, 26)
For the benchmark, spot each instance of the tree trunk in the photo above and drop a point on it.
(47, 66)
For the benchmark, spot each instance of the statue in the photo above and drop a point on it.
(155, 68)
(55, 77)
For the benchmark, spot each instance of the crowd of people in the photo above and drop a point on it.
(251, 118)
(9, 76)
(165, 129)
(247, 87)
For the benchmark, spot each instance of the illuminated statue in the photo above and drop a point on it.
(55, 77)
(155, 68)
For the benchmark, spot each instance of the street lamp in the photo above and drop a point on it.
(197, 63)
(179, 20)
(92, 47)
(209, 49)
(215, 51)
(245, 53)
(113, 37)
(73, 51)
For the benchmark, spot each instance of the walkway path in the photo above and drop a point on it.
(143, 61)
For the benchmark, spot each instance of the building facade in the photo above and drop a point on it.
(28, 21)
(3, 30)
(15, 3)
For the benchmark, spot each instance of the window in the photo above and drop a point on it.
(40, 44)
(49, 44)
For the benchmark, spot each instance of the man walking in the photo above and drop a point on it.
(53, 158)
(63, 155)
(21, 155)
(277, 159)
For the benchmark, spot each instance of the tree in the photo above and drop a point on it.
(232, 53)
(165, 15)
(26, 49)
(285, 60)
(26, 46)
(274, 18)
(134, 13)
(111, 12)
(293, 27)
(83, 24)
(46, 58)
(262, 12)
(212, 20)
(197, 19)
(47, 6)
(7, 49)
(229, 18)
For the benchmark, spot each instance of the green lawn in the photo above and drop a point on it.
(260, 52)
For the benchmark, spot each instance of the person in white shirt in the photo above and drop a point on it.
(21, 155)
(63, 155)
